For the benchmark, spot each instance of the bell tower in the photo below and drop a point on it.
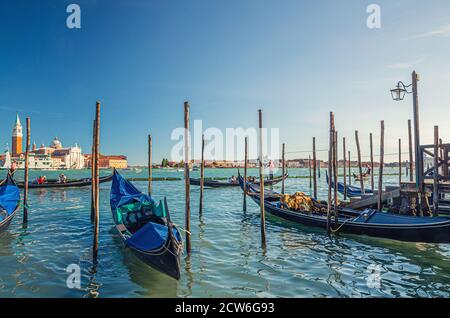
(17, 138)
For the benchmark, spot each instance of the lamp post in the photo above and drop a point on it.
(398, 94)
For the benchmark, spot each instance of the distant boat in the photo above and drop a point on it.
(352, 192)
(145, 227)
(55, 183)
(9, 201)
(229, 183)
(365, 176)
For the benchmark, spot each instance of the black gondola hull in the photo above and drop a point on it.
(219, 184)
(6, 222)
(166, 259)
(70, 184)
(438, 232)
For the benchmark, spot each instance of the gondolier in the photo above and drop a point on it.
(271, 168)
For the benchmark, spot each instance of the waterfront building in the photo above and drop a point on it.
(35, 161)
(113, 161)
(63, 157)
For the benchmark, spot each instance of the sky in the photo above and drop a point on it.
(296, 60)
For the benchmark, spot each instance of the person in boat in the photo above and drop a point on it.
(251, 179)
(271, 167)
(368, 171)
(40, 180)
(62, 178)
(13, 168)
(233, 179)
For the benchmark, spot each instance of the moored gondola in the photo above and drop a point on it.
(54, 183)
(229, 183)
(9, 201)
(368, 222)
(352, 192)
(145, 227)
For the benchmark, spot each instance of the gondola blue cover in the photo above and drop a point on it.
(151, 236)
(124, 192)
(9, 197)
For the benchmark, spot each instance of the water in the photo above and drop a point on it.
(227, 259)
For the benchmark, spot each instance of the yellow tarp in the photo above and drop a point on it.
(301, 202)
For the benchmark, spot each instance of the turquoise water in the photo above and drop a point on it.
(227, 258)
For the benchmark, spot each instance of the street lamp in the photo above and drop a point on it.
(398, 94)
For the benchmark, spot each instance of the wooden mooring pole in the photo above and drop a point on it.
(399, 161)
(335, 171)
(345, 168)
(349, 169)
(25, 188)
(372, 181)
(330, 171)
(150, 165)
(411, 176)
(436, 197)
(187, 215)
(380, 174)
(314, 169)
(202, 176)
(96, 182)
(283, 169)
(93, 172)
(261, 180)
(358, 148)
(245, 174)
(310, 172)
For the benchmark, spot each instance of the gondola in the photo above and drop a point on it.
(9, 201)
(145, 227)
(365, 176)
(228, 183)
(352, 192)
(55, 183)
(368, 222)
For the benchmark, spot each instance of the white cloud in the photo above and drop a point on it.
(441, 32)
(406, 65)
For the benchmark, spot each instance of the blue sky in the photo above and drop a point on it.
(297, 60)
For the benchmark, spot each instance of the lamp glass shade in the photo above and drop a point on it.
(398, 93)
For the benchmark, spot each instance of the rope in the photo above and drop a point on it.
(340, 227)
(181, 228)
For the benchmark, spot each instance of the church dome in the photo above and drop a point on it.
(56, 143)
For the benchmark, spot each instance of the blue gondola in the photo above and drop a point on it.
(145, 227)
(9, 201)
(368, 222)
(352, 192)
